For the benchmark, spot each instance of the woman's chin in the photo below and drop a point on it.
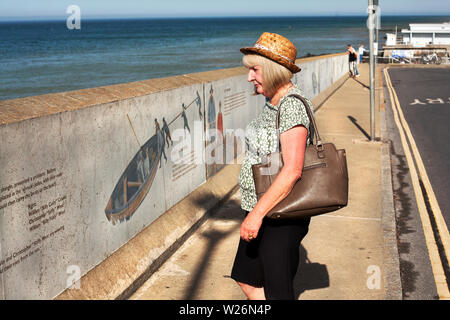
(259, 89)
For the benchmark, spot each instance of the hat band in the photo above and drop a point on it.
(257, 45)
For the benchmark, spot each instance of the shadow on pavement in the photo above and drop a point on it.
(355, 122)
(310, 275)
(362, 83)
(227, 211)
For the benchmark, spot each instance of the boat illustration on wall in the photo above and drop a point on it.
(135, 182)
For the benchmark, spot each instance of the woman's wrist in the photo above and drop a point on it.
(258, 212)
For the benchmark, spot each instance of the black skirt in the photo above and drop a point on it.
(271, 259)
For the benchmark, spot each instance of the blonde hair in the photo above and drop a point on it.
(274, 74)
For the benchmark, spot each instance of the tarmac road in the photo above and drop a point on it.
(424, 99)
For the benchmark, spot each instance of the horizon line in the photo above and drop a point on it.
(128, 17)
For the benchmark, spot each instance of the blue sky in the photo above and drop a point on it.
(32, 9)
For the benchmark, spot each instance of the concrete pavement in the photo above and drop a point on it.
(347, 254)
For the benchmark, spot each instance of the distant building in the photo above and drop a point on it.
(422, 34)
(419, 40)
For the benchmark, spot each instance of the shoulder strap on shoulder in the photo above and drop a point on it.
(314, 132)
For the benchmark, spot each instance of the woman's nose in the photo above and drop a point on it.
(251, 75)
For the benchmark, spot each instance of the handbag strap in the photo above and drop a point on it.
(312, 122)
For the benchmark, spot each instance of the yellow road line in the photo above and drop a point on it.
(436, 210)
(436, 264)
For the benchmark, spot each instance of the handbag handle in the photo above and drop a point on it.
(312, 122)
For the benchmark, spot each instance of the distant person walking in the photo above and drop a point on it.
(361, 51)
(352, 57)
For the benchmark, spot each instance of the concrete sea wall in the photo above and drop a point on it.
(84, 172)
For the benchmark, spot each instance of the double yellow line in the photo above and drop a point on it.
(433, 252)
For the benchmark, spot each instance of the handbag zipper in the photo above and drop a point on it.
(315, 166)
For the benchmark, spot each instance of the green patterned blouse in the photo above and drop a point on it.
(261, 138)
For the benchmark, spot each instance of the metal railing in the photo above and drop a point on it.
(423, 59)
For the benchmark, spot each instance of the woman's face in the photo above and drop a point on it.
(255, 76)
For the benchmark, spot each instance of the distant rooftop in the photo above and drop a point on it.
(428, 27)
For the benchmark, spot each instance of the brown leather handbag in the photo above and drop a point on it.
(323, 186)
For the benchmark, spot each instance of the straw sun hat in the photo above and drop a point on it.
(276, 48)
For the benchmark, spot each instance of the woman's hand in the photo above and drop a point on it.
(251, 225)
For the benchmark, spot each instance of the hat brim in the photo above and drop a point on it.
(268, 54)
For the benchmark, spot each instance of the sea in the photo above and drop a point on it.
(39, 57)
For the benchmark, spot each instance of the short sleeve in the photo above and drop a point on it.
(293, 113)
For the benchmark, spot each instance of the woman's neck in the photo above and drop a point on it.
(280, 93)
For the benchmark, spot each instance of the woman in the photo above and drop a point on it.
(268, 254)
